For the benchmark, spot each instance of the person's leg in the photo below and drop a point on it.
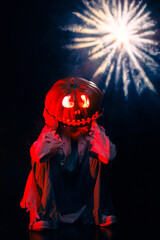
(46, 209)
(103, 203)
(103, 209)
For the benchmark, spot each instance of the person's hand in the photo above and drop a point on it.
(50, 120)
(54, 124)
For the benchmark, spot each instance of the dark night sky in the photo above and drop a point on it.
(32, 59)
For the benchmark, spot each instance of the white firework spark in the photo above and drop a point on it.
(119, 34)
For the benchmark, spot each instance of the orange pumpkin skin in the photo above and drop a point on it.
(73, 102)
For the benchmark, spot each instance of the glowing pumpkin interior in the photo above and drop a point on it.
(73, 102)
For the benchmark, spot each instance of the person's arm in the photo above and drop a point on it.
(101, 144)
(46, 145)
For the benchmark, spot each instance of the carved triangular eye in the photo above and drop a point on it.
(85, 101)
(66, 102)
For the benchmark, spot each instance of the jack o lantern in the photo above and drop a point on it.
(73, 102)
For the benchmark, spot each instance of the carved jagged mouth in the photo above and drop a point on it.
(82, 122)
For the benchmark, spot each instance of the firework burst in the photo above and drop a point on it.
(119, 34)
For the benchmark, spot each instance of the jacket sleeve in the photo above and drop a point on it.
(101, 144)
(46, 145)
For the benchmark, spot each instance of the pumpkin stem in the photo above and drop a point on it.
(73, 84)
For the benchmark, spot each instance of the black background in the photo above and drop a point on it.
(32, 59)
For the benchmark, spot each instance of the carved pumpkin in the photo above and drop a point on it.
(73, 102)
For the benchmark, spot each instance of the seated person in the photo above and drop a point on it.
(64, 183)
